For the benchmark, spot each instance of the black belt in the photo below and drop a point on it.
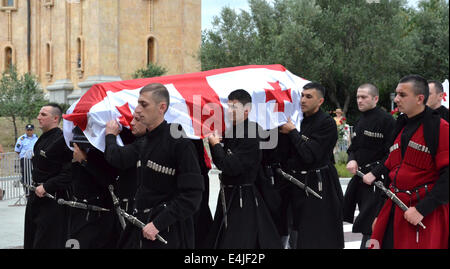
(367, 167)
(414, 190)
(315, 170)
(147, 210)
(318, 173)
(238, 185)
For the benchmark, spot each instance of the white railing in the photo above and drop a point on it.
(11, 177)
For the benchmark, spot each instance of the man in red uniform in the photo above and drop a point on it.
(418, 170)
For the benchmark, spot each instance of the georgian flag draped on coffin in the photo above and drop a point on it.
(198, 101)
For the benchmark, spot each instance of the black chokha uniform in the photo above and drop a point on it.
(202, 218)
(247, 223)
(319, 221)
(124, 159)
(45, 220)
(91, 178)
(443, 112)
(169, 190)
(277, 191)
(370, 145)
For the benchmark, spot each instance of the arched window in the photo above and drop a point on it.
(150, 50)
(79, 58)
(48, 61)
(8, 58)
(48, 55)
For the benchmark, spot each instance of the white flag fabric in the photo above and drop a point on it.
(446, 96)
(198, 101)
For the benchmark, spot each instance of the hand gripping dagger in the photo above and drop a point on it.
(297, 182)
(33, 188)
(394, 198)
(117, 206)
(135, 221)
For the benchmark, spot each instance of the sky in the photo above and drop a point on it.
(211, 8)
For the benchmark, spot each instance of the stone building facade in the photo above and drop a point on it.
(71, 45)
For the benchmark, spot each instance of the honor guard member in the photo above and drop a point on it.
(418, 173)
(370, 145)
(91, 176)
(435, 98)
(24, 147)
(45, 220)
(202, 218)
(170, 184)
(124, 159)
(279, 192)
(242, 220)
(319, 221)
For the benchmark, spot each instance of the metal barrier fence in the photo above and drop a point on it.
(11, 176)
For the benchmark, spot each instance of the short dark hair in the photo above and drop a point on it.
(56, 110)
(437, 85)
(420, 85)
(317, 86)
(373, 90)
(159, 93)
(241, 95)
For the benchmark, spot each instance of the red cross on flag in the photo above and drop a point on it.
(198, 101)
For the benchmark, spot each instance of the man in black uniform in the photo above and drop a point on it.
(45, 220)
(202, 218)
(435, 98)
(278, 191)
(169, 180)
(242, 220)
(125, 159)
(370, 145)
(91, 176)
(319, 221)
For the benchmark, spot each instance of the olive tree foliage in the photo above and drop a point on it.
(431, 26)
(20, 97)
(340, 43)
(151, 70)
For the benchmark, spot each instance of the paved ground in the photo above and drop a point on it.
(12, 219)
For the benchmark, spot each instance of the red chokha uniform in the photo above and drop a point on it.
(418, 167)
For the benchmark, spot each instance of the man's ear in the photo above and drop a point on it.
(248, 107)
(420, 99)
(321, 100)
(163, 107)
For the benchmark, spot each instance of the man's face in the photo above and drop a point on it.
(365, 100)
(237, 112)
(407, 101)
(311, 101)
(46, 119)
(434, 99)
(137, 128)
(148, 111)
(29, 132)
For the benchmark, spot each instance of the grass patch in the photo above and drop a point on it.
(342, 170)
(340, 158)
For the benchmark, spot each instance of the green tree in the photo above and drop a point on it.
(152, 70)
(430, 24)
(341, 43)
(366, 42)
(20, 97)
